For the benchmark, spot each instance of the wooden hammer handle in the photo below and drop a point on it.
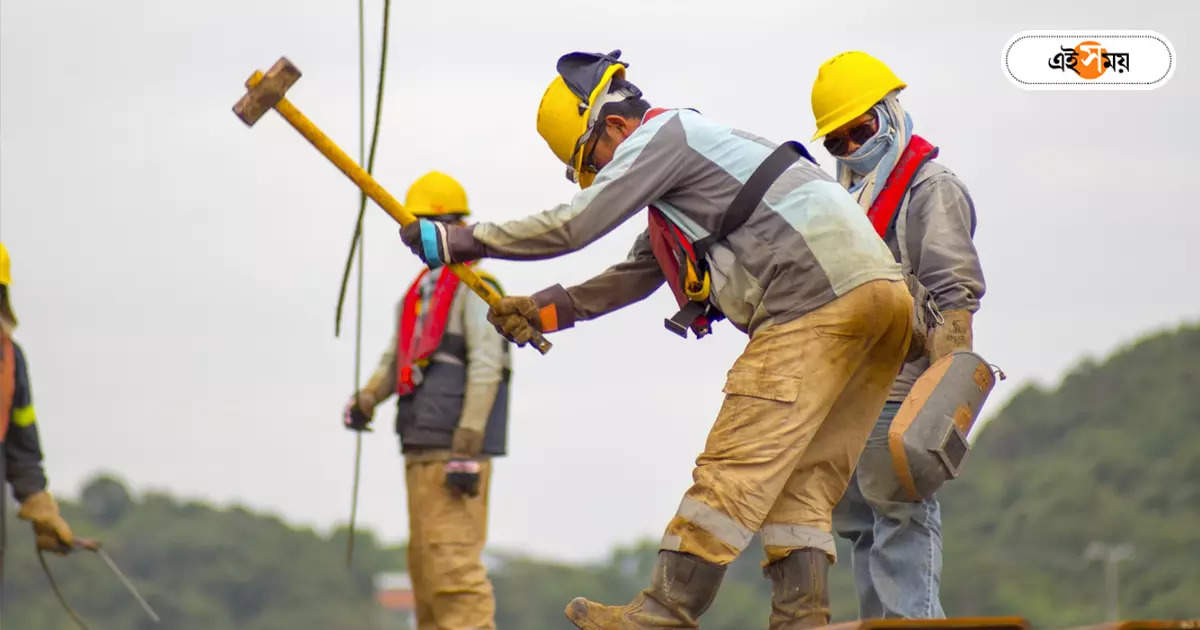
(393, 207)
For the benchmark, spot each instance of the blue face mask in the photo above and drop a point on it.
(867, 157)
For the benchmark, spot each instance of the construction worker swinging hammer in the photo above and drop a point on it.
(740, 228)
(19, 435)
(450, 371)
(925, 215)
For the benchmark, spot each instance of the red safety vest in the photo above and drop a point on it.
(883, 209)
(412, 346)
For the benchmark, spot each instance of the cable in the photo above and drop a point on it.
(356, 240)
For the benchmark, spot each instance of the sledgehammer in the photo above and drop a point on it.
(266, 92)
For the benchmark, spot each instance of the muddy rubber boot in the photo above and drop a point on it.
(681, 589)
(799, 590)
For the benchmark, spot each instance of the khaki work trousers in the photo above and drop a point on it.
(445, 547)
(799, 404)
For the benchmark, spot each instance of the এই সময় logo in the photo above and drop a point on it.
(1089, 60)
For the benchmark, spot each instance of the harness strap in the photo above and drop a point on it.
(752, 192)
(698, 315)
(883, 211)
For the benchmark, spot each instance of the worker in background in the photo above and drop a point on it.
(926, 217)
(450, 371)
(788, 258)
(19, 434)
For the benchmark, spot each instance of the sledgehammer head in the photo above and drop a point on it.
(266, 91)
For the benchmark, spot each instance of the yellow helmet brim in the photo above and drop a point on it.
(847, 86)
(562, 120)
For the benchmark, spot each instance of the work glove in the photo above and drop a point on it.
(359, 411)
(953, 334)
(466, 444)
(49, 528)
(462, 477)
(438, 243)
(516, 317)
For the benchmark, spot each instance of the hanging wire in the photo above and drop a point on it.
(356, 241)
(362, 148)
(356, 238)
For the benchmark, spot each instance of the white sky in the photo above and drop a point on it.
(175, 273)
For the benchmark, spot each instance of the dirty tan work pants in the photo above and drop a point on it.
(445, 545)
(799, 404)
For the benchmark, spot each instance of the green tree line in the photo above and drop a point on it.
(1112, 454)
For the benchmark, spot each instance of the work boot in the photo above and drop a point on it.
(799, 590)
(681, 589)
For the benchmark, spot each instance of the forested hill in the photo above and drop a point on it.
(1111, 455)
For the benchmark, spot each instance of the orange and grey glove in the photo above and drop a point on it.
(953, 334)
(360, 409)
(516, 317)
(51, 531)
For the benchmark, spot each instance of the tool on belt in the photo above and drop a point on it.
(928, 437)
(267, 92)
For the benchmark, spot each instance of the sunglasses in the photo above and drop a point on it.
(840, 144)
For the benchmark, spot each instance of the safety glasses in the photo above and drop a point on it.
(838, 142)
(586, 165)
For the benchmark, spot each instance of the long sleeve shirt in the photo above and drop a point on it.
(806, 243)
(21, 446)
(939, 230)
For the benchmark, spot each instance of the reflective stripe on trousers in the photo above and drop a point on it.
(777, 460)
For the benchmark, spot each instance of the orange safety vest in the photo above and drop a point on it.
(8, 383)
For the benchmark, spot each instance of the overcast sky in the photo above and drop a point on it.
(176, 273)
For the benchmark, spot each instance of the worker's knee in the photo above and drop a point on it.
(453, 566)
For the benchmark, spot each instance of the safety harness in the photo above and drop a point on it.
(884, 210)
(685, 263)
(415, 349)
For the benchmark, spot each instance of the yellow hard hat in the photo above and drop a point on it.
(847, 86)
(436, 194)
(6, 312)
(5, 266)
(565, 112)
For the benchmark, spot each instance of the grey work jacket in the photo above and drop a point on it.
(939, 226)
(805, 244)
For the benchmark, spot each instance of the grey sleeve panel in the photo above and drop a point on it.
(627, 282)
(644, 168)
(941, 224)
(485, 346)
(485, 361)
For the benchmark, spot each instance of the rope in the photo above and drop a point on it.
(362, 206)
(57, 593)
(356, 239)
